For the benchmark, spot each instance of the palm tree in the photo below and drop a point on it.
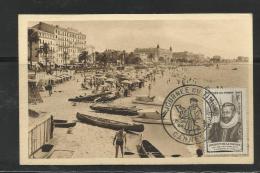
(46, 50)
(83, 56)
(32, 38)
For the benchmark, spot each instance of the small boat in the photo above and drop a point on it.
(146, 100)
(106, 98)
(59, 121)
(88, 98)
(65, 125)
(147, 150)
(111, 109)
(110, 124)
(234, 68)
(149, 114)
(151, 121)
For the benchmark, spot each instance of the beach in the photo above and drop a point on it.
(87, 141)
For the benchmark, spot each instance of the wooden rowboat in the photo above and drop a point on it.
(88, 98)
(110, 124)
(120, 110)
(107, 98)
(65, 125)
(147, 150)
(59, 121)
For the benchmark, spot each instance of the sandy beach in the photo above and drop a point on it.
(87, 141)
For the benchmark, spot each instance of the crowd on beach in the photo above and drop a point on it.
(123, 82)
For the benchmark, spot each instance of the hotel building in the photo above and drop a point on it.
(65, 44)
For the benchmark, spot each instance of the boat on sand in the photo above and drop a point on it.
(65, 125)
(110, 124)
(146, 100)
(89, 98)
(106, 98)
(115, 109)
(147, 150)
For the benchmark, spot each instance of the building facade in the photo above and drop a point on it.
(154, 54)
(65, 44)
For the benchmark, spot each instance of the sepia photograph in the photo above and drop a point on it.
(136, 89)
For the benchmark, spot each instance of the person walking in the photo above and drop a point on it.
(49, 87)
(120, 140)
(149, 90)
(125, 91)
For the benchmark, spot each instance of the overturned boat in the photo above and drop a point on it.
(106, 98)
(115, 109)
(110, 124)
(89, 98)
(147, 150)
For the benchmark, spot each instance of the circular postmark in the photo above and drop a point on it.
(190, 109)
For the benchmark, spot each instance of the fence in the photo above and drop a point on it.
(40, 134)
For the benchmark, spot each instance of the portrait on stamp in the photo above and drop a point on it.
(227, 133)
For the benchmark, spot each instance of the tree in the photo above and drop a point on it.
(46, 51)
(32, 38)
(84, 57)
(150, 57)
(132, 59)
(103, 58)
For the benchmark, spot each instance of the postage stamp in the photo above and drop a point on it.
(227, 133)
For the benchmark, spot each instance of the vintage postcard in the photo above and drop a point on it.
(128, 89)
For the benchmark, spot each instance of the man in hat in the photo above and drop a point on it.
(228, 129)
(193, 117)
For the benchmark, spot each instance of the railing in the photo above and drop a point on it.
(40, 134)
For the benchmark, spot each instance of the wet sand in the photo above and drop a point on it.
(88, 141)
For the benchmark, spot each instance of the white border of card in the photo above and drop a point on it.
(247, 158)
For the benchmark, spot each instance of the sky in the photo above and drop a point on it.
(228, 38)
